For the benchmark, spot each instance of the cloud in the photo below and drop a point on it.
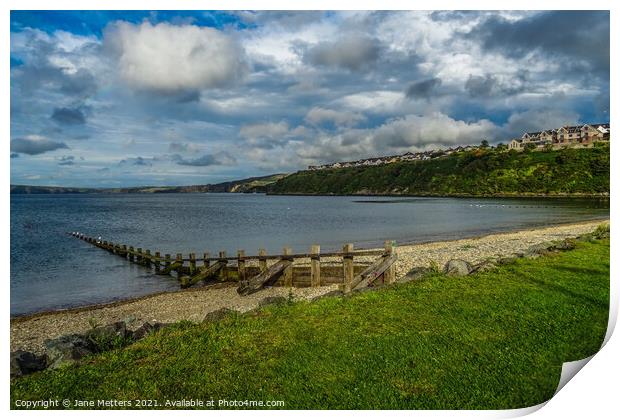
(170, 58)
(206, 160)
(536, 120)
(264, 130)
(14, 155)
(66, 160)
(35, 145)
(318, 115)
(490, 85)
(423, 88)
(580, 36)
(69, 116)
(351, 52)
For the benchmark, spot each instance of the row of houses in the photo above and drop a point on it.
(407, 157)
(568, 136)
(572, 136)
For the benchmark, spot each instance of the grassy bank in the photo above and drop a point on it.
(483, 172)
(490, 340)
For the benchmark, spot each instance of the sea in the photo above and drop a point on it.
(53, 270)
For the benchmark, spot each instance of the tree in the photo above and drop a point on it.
(548, 147)
(501, 146)
(529, 147)
(484, 144)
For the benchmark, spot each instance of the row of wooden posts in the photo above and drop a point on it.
(252, 279)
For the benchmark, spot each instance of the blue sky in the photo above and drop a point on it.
(125, 98)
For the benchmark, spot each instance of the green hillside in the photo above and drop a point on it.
(479, 172)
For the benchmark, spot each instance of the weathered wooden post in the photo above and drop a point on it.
(167, 262)
(179, 262)
(315, 266)
(224, 270)
(192, 264)
(124, 251)
(390, 274)
(205, 260)
(287, 274)
(347, 266)
(147, 258)
(262, 262)
(157, 261)
(241, 264)
(139, 258)
(131, 254)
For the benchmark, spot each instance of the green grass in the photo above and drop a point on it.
(493, 340)
(478, 173)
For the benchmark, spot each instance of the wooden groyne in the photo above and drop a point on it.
(254, 272)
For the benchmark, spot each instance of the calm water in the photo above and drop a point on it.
(50, 269)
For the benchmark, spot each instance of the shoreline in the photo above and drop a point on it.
(28, 332)
(113, 303)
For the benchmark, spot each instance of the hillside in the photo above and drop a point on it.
(481, 172)
(248, 185)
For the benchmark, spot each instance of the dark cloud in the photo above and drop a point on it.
(66, 160)
(205, 160)
(137, 161)
(35, 145)
(69, 116)
(351, 52)
(14, 155)
(423, 88)
(176, 147)
(581, 36)
(489, 85)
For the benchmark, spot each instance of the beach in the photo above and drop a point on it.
(29, 332)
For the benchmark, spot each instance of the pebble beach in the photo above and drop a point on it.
(30, 332)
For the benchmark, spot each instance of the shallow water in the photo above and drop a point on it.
(51, 270)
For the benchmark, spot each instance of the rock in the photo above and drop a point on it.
(538, 250)
(218, 315)
(272, 300)
(68, 349)
(415, 273)
(25, 362)
(142, 331)
(457, 268)
(565, 245)
(484, 266)
(109, 336)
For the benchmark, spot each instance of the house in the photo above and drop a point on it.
(529, 137)
(569, 134)
(515, 144)
(549, 136)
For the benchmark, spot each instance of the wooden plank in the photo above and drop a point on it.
(147, 258)
(203, 274)
(131, 254)
(266, 278)
(224, 269)
(157, 261)
(205, 260)
(389, 276)
(373, 272)
(192, 264)
(359, 253)
(347, 267)
(262, 259)
(315, 266)
(241, 264)
(287, 275)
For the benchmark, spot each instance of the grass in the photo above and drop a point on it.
(493, 340)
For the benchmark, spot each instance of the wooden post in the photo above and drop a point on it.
(205, 260)
(139, 258)
(262, 262)
(147, 258)
(124, 251)
(315, 266)
(157, 261)
(167, 262)
(287, 275)
(180, 269)
(192, 264)
(224, 270)
(241, 264)
(131, 255)
(347, 266)
(389, 276)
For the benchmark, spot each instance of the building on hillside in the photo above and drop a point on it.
(515, 144)
(569, 134)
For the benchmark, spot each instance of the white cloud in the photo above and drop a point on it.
(318, 115)
(264, 130)
(380, 101)
(165, 57)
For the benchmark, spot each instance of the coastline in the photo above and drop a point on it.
(29, 331)
(605, 195)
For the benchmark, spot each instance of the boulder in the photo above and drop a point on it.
(25, 362)
(142, 331)
(415, 273)
(484, 266)
(566, 245)
(272, 300)
(68, 349)
(108, 336)
(218, 315)
(457, 268)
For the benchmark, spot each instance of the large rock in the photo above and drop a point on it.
(146, 329)
(25, 362)
(457, 268)
(415, 273)
(484, 266)
(108, 336)
(272, 300)
(68, 349)
(218, 315)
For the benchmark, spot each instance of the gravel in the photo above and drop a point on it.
(29, 332)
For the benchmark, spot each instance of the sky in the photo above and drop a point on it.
(132, 98)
